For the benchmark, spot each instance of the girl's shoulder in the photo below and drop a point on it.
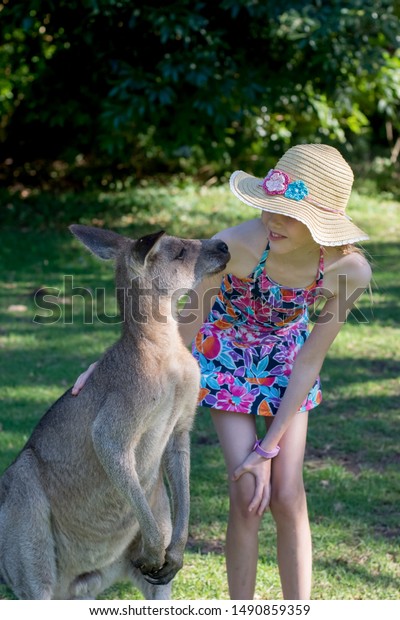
(351, 265)
(246, 243)
(243, 233)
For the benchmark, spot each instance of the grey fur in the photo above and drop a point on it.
(85, 503)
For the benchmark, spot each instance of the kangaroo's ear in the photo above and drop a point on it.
(104, 243)
(146, 246)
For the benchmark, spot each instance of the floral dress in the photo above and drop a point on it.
(248, 344)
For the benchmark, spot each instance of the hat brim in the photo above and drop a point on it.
(327, 228)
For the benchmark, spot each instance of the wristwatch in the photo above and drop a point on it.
(267, 455)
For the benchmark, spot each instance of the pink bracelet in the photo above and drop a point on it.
(266, 455)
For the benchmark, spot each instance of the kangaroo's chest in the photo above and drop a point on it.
(174, 381)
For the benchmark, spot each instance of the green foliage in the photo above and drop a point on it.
(188, 83)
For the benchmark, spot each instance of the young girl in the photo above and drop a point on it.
(258, 356)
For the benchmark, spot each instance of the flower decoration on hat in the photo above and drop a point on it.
(278, 182)
(297, 190)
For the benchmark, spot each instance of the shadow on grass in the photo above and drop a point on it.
(341, 569)
(344, 371)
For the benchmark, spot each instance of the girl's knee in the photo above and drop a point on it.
(288, 501)
(240, 496)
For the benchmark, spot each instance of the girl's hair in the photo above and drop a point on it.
(349, 248)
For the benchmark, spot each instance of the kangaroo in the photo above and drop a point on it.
(85, 503)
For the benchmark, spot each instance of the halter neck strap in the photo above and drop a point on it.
(319, 277)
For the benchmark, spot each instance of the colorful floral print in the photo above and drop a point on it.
(247, 346)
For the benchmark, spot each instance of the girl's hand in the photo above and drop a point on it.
(81, 380)
(261, 470)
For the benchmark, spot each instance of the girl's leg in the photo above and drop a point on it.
(289, 509)
(236, 433)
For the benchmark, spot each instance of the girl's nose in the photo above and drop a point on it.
(275, 219)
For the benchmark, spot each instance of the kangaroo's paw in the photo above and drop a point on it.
(173, 563)
(149, 566)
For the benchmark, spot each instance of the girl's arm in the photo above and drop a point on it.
(81, 380)
(309, 361)
(306, 369)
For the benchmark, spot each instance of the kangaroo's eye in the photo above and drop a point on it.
(181, 254)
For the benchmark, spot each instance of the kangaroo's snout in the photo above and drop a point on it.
(222, 247)
(213, 258)
(217, 248)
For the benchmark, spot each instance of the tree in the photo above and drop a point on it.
(191, 81)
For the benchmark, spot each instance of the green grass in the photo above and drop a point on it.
(353, 453)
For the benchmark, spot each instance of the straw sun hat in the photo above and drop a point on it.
(311, 183)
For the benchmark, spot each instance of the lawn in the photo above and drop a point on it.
(353, 454)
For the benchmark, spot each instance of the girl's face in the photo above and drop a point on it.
(286, 234)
